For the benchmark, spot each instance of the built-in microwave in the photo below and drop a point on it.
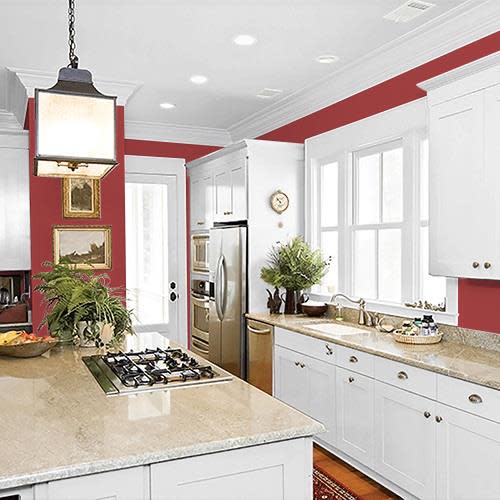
(199, 253)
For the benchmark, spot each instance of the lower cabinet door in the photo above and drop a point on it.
(320, 393)
(290, 384)
(468, 456)
(124, 484)
(355, 399)
(274, 471)
(405, 440)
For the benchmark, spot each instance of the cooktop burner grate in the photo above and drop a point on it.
(150, 369)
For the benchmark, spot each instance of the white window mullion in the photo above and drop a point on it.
(347, 199)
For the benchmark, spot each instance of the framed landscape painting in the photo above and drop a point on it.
(87, 247)
(81, 198)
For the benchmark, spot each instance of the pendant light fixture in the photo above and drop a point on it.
(75, 123)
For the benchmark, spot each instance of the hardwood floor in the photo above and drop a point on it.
(360, 484)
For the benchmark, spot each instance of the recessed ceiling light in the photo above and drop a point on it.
(245, 40)
(268, 93)
(198, 79)
(327, 59)
(167, 105)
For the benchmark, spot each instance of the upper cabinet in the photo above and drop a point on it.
(464, 208)
(201, 200)
(15, 254)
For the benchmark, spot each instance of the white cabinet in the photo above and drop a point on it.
(464, 210)
(405, 436)
(201, 200)
(308, 385)
(468, 455)
(15, 250)
(25, 493)
(277, 470)
(124, 484)
(355, 415)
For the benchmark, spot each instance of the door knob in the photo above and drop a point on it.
(439, 419)
(351, 380)
(475, 265)
(427, 414)
(173, 285)
(487, 265)
(173, 296)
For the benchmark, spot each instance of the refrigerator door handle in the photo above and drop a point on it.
(223, 281)
(218, 286)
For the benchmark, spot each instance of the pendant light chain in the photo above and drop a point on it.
(73, 58)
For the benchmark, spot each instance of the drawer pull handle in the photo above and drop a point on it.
(353, 359)
(439, 419)
(351, 380)
(403, 376)
(475, 398)
(329, 350)
(200, 223)
(427, 414)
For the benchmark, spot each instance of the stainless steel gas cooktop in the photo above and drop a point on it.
(151, 369)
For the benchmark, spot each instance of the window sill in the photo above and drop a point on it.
(446, 318)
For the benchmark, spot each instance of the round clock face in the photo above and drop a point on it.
(279, 202)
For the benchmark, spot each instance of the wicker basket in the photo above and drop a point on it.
(417, 339)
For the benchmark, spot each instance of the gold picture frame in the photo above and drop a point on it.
(85, 247)
(81, 198)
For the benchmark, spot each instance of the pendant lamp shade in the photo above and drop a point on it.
(75, 128)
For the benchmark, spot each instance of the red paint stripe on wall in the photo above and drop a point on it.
(478, 300)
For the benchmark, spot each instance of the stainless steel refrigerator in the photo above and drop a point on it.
(228, 298)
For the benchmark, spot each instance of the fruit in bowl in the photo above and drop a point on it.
(21, 344)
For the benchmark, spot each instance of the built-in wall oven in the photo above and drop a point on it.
(199, 317)
(199, 253)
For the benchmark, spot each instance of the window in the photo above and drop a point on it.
(368, 211)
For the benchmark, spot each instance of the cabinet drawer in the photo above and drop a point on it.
(406, 377)
(319, 349)
(357, 361)
(473, 398)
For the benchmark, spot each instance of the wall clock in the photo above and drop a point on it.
(279, 202)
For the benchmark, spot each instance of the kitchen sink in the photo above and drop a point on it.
(335, 328)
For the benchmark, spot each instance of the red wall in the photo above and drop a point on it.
(478, 300)
(46, 211)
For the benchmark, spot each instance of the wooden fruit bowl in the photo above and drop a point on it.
(27, 349)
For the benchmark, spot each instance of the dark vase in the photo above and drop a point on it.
(302, 300)
(290, 301)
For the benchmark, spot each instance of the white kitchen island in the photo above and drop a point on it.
(64, 439)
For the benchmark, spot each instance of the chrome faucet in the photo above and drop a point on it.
(364, 318)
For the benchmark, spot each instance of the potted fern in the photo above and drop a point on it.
(82, 308)
(295, 267)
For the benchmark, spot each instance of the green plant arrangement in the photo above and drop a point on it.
(81, 306)
(295, 267)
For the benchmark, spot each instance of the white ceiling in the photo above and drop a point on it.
(161, 43)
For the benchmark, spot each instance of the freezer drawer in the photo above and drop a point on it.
(260, 355)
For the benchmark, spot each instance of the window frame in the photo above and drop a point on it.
(407, 124)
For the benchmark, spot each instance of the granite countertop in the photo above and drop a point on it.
(473, 364)
(58, 423)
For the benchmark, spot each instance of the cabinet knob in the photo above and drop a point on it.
(402, 375)
(200, 223)
(353, 359)
(302, 365)
(329, 350)
(475, 265)
(427, 414)
(351, 380)
(475, 398)
(297, 363)
(487, 265)
(439, 419)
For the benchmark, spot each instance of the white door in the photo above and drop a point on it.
(290, 384)
(458, 224)
(405, 440)
(355, 397)
(156, 245)
(468, 456)
(320, 393)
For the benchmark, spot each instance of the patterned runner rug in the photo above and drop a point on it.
(325, 487)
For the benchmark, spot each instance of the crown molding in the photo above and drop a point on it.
(491, 61)
(32, 79)
(184, 134)
(464, 24)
